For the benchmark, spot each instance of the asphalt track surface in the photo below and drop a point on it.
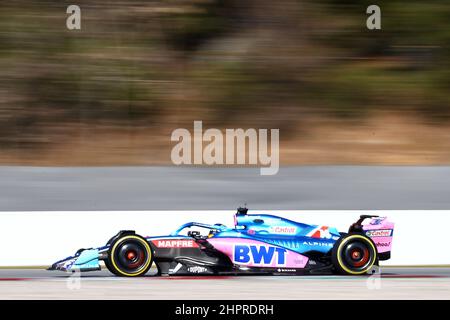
(192, 188)
(178, 188)
(393, 283)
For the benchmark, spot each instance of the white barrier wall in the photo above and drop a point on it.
(41, 238)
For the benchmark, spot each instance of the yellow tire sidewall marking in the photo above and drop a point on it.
(146, 245)
(356, 236)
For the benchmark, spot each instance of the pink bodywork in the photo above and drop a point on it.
(380, 230)
(227, 246)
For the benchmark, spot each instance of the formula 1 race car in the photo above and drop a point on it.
(257, 244)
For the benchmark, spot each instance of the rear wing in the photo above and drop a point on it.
(379, 229)
(357, 226)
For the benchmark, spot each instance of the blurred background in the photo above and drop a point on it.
(112, 92)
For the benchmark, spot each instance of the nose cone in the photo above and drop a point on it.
(52, 267)
(63, 265)
(84, 260)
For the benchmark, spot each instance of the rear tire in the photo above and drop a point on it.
(129, 256)
(354, 254)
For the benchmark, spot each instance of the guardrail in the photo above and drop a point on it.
(41, 238)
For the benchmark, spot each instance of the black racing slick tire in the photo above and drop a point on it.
(129, 255)
(354, 254)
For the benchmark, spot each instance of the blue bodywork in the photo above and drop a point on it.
(281, 232)
(274, 230)
(83, 260)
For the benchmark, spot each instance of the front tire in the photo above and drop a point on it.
(354, 254)
(129, 256)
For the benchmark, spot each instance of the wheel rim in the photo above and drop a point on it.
(357, 255)
(131, 256)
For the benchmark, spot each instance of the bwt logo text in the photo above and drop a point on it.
(259, 255)
(220, 149)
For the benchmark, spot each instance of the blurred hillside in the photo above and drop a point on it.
(112, 92)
